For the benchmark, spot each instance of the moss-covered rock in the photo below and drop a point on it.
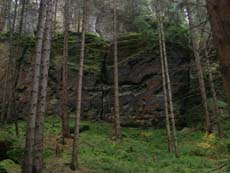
(139, 77)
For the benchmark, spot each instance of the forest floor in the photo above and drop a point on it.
(139, 151)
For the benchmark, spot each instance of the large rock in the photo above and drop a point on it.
(141, 95)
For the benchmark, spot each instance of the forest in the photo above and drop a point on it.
(114, 86)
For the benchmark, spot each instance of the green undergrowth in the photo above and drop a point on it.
(139, 151)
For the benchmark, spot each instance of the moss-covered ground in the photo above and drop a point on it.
(139, 151)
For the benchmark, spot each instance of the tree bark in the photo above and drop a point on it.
(167, 121)
(219, 12)
(15, 15)
(208, 127)
(216, 109)
(116, 77)
(4, 14)
(168, 81)
(28, 158)
(38, 147)
(22, 16)
(65, 119)
(75, 153)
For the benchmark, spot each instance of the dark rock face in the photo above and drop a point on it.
(141, 95)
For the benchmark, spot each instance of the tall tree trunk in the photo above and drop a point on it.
(38, 147)
(117, 126)
(5, 94)
(79, 21)
(65, 119)
(22, 16)
(5, 14)
(9, 16)
(15, 15)
(75, 153)
(199, 68)
(217, 112)
(28, 158)
(13, 52)
(168, 81)
(219, 11)
(167, 121)
(55, 18)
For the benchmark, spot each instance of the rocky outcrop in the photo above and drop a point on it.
(141, 97)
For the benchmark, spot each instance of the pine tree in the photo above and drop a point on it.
(198, 67)
(65, 124)
(30, 135)
(219, 12)
(41, 109)
(116, 76)
(75, 153)
(168, 81)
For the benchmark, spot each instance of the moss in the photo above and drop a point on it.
(96, 47)
(10, 166)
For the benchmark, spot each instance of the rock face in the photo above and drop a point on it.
(141, 95)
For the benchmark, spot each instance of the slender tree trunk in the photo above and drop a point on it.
(5, 94)
(168, 81)
(79, 21)
(38, 147)
(9, 16)
(164, 81)
(65, 119)
(22, 16)
(11, 114)
(8, 85)
(199, 68)
(55, 18)
(75, 153)
(116, 77)
(217, 112)
(219, 12)
(4, 14)
(170, 95)
(15, 15)
(11, 76)
(28, 158)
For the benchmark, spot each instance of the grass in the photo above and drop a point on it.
(139, 151)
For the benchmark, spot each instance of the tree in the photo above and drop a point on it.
(198, 67)
(75, 153)
(65, 124)
(116, 76)
(164, 82)
(41, 110)
(5, 14)
(216, 109)
(219, 12)
(15, 15)
(164, 60)
(23, 3)
(30, 135)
